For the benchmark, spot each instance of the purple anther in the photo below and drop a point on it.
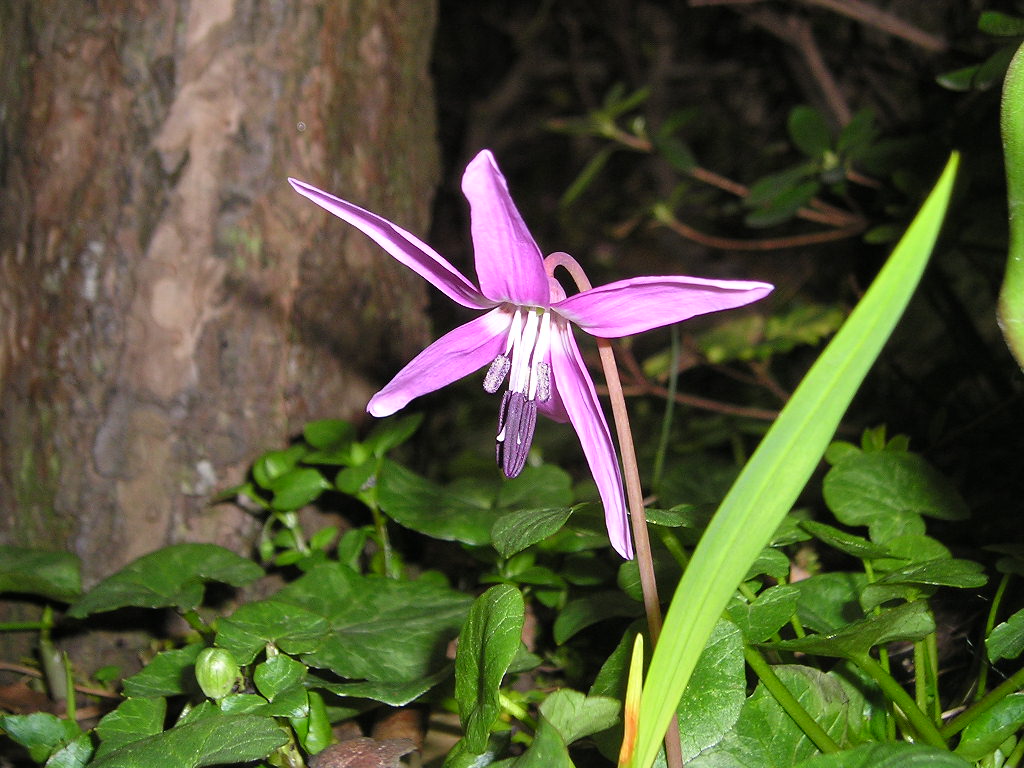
(516, 421)
(496, 373)
(543, 382)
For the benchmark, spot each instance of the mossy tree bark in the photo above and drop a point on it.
(170, 307)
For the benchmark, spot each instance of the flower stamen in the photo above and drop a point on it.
(517, 420)
(525, 364)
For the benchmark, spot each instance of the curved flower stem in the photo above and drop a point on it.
(634, 493)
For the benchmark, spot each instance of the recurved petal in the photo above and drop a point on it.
(575, 388)
(404, 246)
(456, 354)
(509, 264)
(641, 303)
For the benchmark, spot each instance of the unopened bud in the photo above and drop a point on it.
(216, 672)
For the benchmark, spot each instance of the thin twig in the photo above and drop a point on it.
(644, 386)
(883, 20)
(816, 210)
(797, 32)
(21, 669)
(761, 244)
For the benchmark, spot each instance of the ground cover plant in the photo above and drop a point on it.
(807, 584)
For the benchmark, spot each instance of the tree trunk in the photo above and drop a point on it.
(170, 307)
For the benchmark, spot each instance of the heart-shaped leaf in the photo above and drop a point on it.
(170, 577)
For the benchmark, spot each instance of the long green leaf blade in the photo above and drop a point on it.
(779, 469)
(1011, 297)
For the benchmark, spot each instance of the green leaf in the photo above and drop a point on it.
(856, 546)
(277, 674)
(708, 708)
(40, 732)
(783, 205)
(890, 755)
(74, 754)
(548, 750)
(416, 503)
(943, 572)
(209, 741)
(391, 433)
(809, 131)
(769, 612)
(381, 629)
(770, 562)
(779, 469)
(676, 151)
(352, 480)
(1010, 309)
(459, 755)
(910, 622)
(858, 135)
(574, 715)
(516, 531)
(392, 694)
(907, 548)
(488, 643)
(329, 434)
(536, 488)
(586, 177)
(1007, 639)
(133, 719)
(997, 23)
(290, 702)
(315, 731)
(586, 611)
(829, 601)
(170, 577)
(712, 704)
(292, 628)
(168, 674)
(53, 575)
(297, 488)
(867, 488)
(466, 512)
(273, 464)
(766, 736)
(994, 726)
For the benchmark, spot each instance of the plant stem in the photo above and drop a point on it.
(997, 694)
(22, 626)
(196, 622)
(517, 711)
(788, 701)
(70, 708)
(634, 493)
(925, 728)
(380, 525)
(883, 660)
(1015, 756)
(931, 645)
(990, 622)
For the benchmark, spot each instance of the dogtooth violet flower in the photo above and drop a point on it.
(524, 337)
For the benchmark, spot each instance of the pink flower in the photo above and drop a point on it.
(524, 336)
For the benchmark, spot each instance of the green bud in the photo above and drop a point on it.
(216, 671)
